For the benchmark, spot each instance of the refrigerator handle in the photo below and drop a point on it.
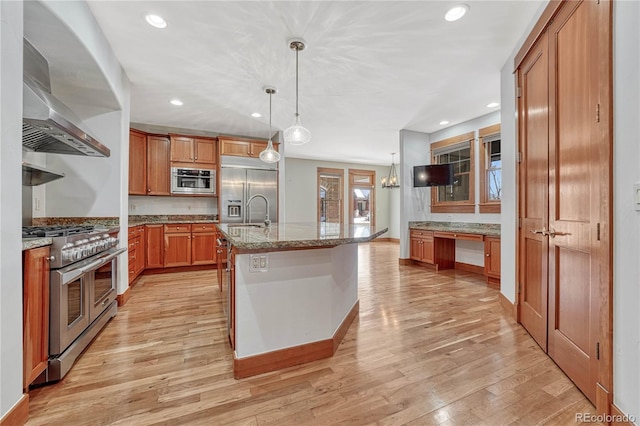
(244, 201)
(247, 209)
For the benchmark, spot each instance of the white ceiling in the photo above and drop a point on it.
(370, 68)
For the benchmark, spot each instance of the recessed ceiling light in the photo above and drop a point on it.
(256, 115)
(456, 12)
(176, 102)
(493, 105)
(156, 21)
(443, 122)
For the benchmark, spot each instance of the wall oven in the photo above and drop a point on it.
(193, 181)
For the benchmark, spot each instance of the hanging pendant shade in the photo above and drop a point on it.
(391, 181)
(270, 155)
(297, 134)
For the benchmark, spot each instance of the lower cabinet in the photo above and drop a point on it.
(189, 244)
(35, 311)
(203, 244)
(136, 251)
(154, 246)
(422, 246)
(492, 260)
(177, 245)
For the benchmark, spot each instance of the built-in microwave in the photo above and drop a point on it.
(193, 181)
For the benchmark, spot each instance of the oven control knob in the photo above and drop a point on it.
(77, 254)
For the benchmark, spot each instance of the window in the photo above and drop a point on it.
(362, 190)
(459, 197)
(491, 169)
(330, 195)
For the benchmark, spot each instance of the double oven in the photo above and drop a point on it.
(82, 297)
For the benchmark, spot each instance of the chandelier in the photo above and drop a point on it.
(391, 181)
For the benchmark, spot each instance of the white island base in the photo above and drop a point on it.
(296, 309)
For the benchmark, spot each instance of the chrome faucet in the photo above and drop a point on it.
(267, 222)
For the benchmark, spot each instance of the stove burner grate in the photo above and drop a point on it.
(55, 230)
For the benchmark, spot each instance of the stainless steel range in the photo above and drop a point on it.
(82, 290)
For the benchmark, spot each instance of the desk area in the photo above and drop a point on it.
(433, 243)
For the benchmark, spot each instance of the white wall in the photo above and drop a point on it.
(11, 31)
(414, 151)
(626, 237)
(152, 205)
(301, 191)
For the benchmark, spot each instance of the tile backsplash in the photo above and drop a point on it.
(148, 205)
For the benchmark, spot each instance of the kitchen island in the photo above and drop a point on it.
(292, 291)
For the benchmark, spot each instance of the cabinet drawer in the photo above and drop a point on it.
(459, 236)
(418, 233)
(203, 227)
(132, 245)
(177, 227)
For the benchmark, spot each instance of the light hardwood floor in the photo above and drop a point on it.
(427, 349)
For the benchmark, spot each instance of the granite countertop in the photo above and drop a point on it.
(138, 220)
(291, 236)
(31, 243)
(491, 229)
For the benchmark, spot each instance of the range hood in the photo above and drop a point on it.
(48, 125)
(33, 175)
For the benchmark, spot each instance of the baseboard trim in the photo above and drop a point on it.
(469, 268)
(19, 414)
(405, 262)
(179, 269)
(618, 418)
(276, 360)
(124, 297)
(386, 240)
(507, 305)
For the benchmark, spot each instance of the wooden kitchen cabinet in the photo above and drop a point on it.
(190, 151)
(154, 245)
(422, 247)
(158, 165)
(136, 251)
(492, 261)
(35, 311)
(137, 163)
(243, 147)
(177, 245)
(203, 244)
(425, 247)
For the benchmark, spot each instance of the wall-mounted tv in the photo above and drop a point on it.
(433, 175)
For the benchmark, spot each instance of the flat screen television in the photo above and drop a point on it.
(433, 175)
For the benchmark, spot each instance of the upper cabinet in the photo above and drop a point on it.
(189, 150)
(137, 163)
(243, 147)
(158, 165)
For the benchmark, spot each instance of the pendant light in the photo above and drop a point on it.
(270, 155)
(391, 181)
(297, 134)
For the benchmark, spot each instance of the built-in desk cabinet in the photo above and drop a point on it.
(438, 248)
(426, 248)
(492, 261)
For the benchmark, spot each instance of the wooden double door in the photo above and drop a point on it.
(564, 193)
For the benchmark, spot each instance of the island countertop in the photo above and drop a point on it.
(295, 236)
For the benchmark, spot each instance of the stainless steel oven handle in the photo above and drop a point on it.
(98, 263)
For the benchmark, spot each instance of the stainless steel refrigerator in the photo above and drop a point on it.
(240, 179)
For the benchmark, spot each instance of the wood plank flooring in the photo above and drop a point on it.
(427, 349)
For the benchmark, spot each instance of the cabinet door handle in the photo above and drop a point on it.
(487, 255)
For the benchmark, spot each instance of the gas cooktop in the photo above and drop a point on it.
(55, 230)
